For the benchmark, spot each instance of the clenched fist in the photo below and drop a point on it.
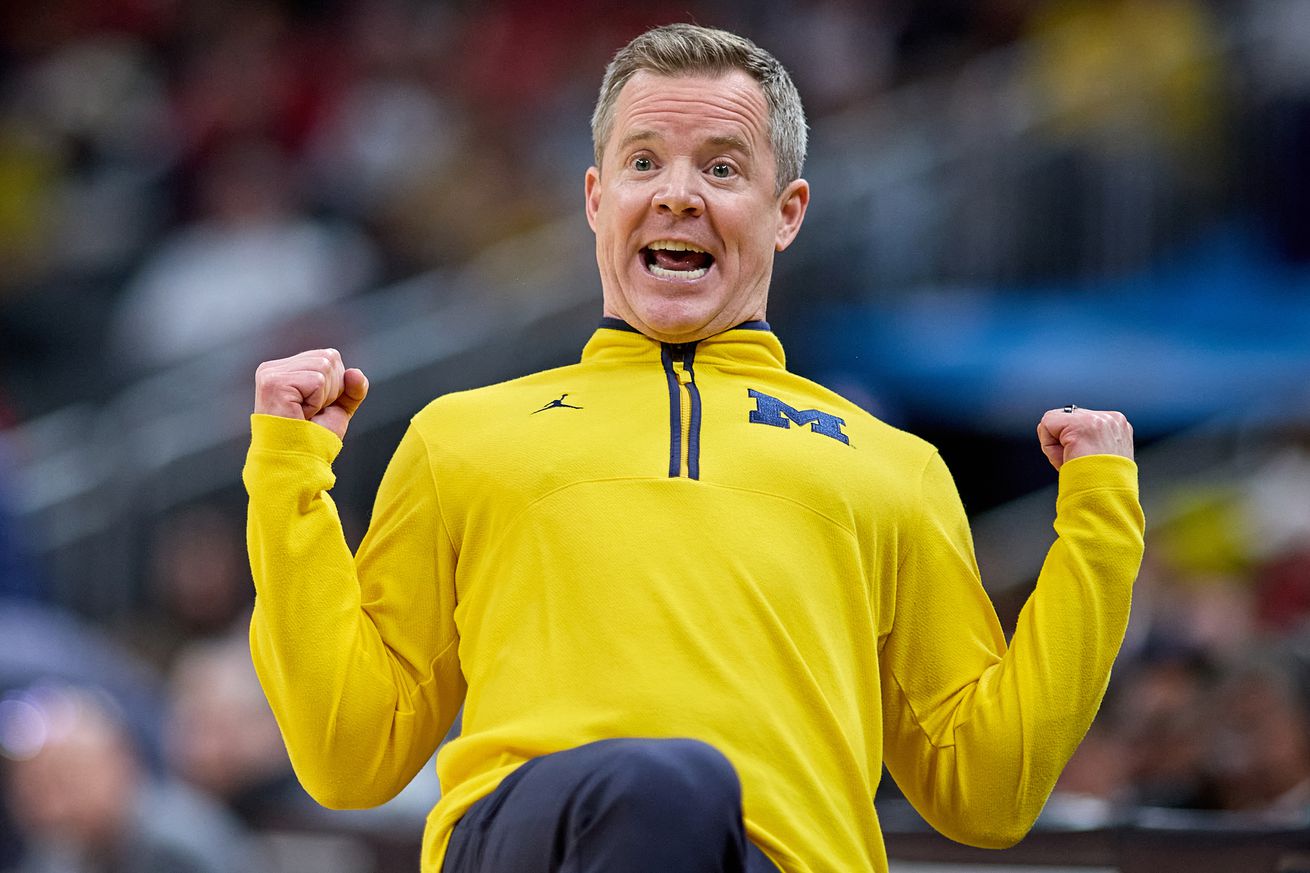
(311, 386)
(1066, 435)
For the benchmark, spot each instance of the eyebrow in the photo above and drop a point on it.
(637, 136)
(722, 141)
(732, 142)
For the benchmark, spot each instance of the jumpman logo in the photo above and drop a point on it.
(557, 404)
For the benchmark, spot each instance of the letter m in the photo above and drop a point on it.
(773, 412)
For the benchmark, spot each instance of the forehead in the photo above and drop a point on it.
(730, 104)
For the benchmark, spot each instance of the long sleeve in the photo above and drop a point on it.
(358, 655)
(976, 734)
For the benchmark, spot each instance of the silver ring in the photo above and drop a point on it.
(1070, 408)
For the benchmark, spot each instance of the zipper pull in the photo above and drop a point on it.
(680, 355)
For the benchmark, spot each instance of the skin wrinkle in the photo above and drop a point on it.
(659, 105)
(728, 141)
(748, 110)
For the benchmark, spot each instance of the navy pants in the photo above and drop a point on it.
(613, 806)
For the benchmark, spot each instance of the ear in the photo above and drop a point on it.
(792, 204)
(592, 188)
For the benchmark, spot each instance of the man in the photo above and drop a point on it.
(687, 629)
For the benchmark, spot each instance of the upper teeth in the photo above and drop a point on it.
(673, 246)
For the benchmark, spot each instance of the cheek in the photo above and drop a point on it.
(757, 247)
(611, 226)
(755, 224)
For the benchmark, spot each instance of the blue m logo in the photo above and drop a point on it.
(773, 412)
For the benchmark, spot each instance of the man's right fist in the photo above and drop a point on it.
(311, 386)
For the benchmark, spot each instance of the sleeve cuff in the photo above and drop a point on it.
(1096, 473)
(273, 433)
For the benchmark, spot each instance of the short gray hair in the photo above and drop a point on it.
(684, 49)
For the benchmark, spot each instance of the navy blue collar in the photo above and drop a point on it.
(620, 324)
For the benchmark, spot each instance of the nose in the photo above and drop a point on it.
(678, 194)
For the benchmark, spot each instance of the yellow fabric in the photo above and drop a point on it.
(808, 606)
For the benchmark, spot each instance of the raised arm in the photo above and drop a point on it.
(975, 733)
(357, 654)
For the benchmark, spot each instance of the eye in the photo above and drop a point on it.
(641, 165)
(721, 171)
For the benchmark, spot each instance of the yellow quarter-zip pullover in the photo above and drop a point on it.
(680, 540)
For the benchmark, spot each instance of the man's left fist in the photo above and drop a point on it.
(1071, 432)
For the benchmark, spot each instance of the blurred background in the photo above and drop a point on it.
(1017, 204)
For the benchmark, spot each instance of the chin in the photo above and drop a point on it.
(675, 323)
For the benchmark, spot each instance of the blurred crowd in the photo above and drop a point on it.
(176, 174)
(1209, 706)
(148, 746)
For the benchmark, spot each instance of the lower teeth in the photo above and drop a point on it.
(657, 270)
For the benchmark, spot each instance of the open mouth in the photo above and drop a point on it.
(667, 259)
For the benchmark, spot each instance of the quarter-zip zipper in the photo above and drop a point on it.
(684, 409)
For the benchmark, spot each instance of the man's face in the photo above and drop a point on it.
(684, 210)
